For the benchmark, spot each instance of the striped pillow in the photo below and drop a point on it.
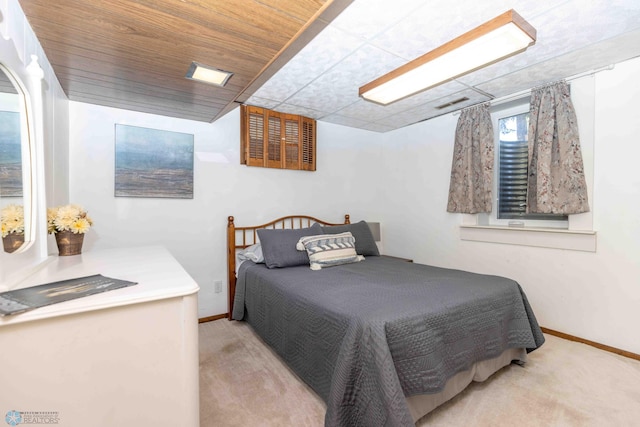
(326, 250)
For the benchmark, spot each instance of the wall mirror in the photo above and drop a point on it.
(15, 164)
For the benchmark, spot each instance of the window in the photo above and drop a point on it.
(511, 125)
(512, 172)
(277, 140)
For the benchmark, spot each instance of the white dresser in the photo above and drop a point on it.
(126, 357)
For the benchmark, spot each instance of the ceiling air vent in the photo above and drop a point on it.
(454, 102)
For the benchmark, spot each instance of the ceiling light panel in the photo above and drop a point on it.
(497, 39)
(206, 74)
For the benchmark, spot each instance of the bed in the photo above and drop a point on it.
(381, 340)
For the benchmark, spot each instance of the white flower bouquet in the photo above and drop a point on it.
(12, 220)
(68, 218)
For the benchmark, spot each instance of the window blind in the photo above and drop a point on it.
(512, 183)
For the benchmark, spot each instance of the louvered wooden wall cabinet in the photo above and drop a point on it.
(277, 140)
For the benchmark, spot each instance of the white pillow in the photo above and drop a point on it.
(252, 253)
(327, 250)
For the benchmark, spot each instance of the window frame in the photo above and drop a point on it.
(497, 112)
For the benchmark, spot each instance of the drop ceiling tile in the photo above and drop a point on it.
(364, 65)
(323, 98)
(492, 71)
(370, 111)
(419, 33)
(262, 102)
(366, 110)
(302, 111)
(280, 87)
(326, 50)
(338, 87)
(343, 120)
(429, 109)
(579, 21)
(422, 31)
(367, 18)
(580, 61)
(563, 30)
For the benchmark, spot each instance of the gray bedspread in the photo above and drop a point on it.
(366, 335)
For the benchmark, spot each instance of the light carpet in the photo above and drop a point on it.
(564, 383)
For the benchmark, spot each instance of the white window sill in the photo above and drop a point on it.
(575, 240)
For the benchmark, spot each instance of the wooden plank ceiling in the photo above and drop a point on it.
(134, 54)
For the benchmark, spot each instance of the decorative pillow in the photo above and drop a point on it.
(327, 250)
(279, 245)
(365, 243)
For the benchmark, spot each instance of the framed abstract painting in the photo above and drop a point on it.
(153, 163)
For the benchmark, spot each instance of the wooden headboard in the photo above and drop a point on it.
(242, 237)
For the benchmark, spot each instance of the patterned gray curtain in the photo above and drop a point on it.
(556, 181)
(472, 166)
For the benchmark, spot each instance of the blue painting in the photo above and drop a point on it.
(10, 155)
(153, 163)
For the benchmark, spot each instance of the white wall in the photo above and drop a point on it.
(399, 178)
(195, 230)
(591, 295)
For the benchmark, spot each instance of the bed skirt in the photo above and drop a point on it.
(420, 405)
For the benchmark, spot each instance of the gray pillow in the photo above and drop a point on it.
(365, 243)
(279, 246)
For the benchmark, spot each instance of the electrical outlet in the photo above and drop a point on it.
(217, 286)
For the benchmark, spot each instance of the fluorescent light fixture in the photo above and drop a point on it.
(503, 36)
(207, 74)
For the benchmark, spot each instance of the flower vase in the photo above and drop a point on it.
(69, 243)
(12, 242)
